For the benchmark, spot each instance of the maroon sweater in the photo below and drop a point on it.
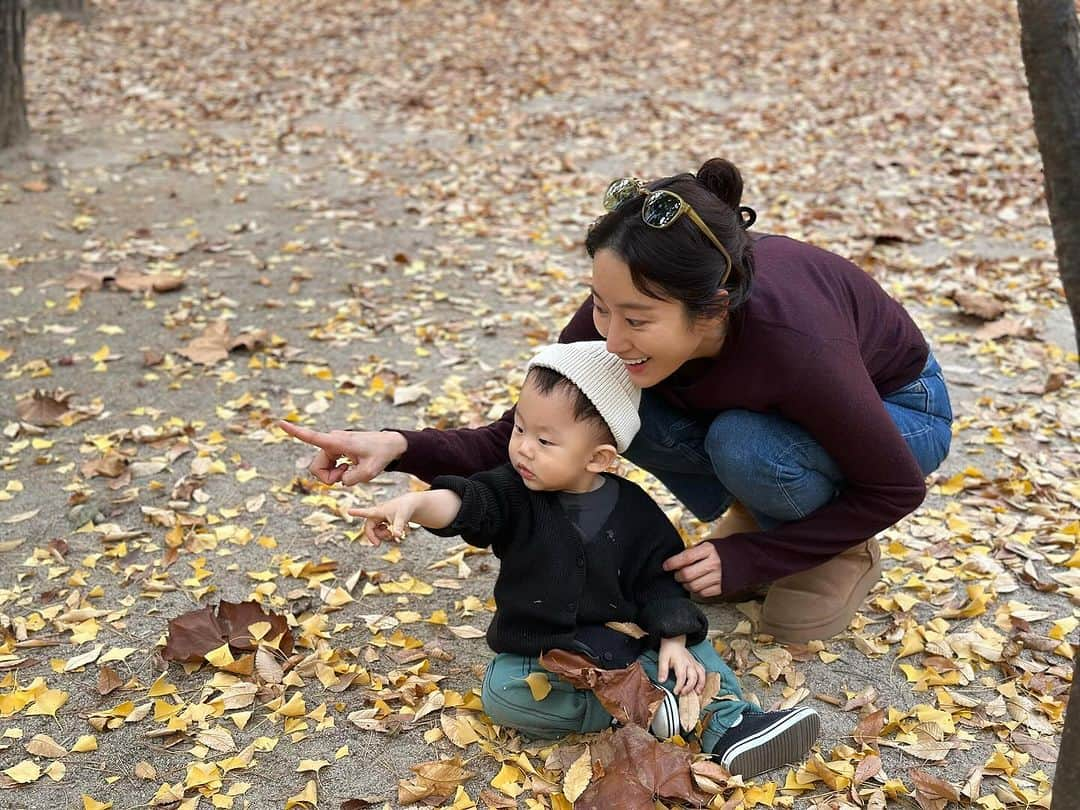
(819, 343)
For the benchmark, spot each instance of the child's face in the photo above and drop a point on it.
(549, 448)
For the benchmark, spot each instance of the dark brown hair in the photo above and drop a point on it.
(679, 263)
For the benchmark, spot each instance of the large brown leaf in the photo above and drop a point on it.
(237, 617)
(627, 694)
(43, 408)
(641, 770)
(192, 635)
(196, 632)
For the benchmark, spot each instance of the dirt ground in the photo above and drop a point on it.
(384, 204)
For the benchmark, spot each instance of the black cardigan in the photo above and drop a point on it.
(551, 582)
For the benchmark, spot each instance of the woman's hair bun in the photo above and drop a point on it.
(722, 178)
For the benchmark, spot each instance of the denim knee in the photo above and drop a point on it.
(773, 466)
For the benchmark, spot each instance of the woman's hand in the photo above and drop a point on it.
(389, 520)
(675, 659)
(368, 452)
(698, 569)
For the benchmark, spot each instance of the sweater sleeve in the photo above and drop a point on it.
(664, 610)
(490, 503)
(837, 403)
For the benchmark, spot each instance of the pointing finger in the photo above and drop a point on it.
(302, 433)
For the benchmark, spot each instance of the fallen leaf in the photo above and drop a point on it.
(578, 776)
(627, 694)
(979, 305)
(539, 685)
(45, 408)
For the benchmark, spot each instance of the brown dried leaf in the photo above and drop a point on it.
(44, 408)
(869, 728)
(689, 710)
(108, 681)
(42, 745)
(978, 305)
(237, 617)
(865, 698)
(642, 768)
(1042, 750)
(627, 694)
(255, 339)
(210, 347)
(192, 635)
(110, 465)
(931, 792)
(437, 780)
(132, 280)
(267, 665)
(868, 768)
(1006, 327)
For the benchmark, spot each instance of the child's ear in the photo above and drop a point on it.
(603, 456)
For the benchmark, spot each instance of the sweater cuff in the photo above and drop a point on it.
(667, 618)
(736, 564)
(459, 487)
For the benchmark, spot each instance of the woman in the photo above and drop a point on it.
(783, 390)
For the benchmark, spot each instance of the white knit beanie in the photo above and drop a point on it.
(603, 379)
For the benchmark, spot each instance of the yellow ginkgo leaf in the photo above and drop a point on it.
(508, 781)
(539, 685)
(48, 702)
(161, 687)
(25, 772)
(87, 742)
(295, 706)
(220, 656)
(308, 796)
(311, 765)
(93, 804)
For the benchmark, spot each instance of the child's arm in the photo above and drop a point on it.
(676, 660)
(435, 509)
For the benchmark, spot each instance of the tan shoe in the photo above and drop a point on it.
(819, 603)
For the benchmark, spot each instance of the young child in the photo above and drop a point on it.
(579, 547)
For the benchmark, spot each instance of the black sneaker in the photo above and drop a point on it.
(767, 740)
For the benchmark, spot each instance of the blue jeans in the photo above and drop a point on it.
(508, 700)
(771, 465)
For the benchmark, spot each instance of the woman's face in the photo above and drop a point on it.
(653, 337)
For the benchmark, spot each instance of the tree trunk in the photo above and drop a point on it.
(69, 9)
(1050, 43)
(1067, 776)
(13, 125)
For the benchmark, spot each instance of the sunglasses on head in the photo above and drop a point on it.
(660, 209)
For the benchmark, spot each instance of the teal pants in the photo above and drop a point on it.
(508, 701)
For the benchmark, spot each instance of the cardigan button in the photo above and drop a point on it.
(580, 562)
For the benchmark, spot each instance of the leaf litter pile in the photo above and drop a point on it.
(364, 214)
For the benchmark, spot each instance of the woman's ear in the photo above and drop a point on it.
(603, 456)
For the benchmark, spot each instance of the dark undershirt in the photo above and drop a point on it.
(588, 511)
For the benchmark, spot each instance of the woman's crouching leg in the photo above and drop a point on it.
(508, 701)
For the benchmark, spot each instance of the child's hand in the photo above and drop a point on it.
(389, 520)
(675, 659)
